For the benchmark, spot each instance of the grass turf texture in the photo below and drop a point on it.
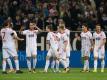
(74, 74)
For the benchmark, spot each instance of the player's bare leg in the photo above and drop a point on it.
(47, 64)
(34, 62)
(4, 66)
(95, 64)
(17, 65)
(102, 65)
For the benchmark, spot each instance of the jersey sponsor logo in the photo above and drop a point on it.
(31, 35)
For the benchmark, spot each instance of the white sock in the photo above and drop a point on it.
(67, 62)
(17, 64)
(102, 64)
(29, 64)
(57, 65)
(10, 63)
(4, 65)
(47, 65)
(63, 62)
(53, 64)
(34, 62)
(95, 64)
(85, 65)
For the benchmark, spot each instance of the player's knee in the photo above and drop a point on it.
(28, 58)
(4, 59)
(95, 58)
(47, 58)
(15, 58)
(86, 57)
(34, 56)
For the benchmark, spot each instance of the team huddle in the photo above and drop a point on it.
(59, 47)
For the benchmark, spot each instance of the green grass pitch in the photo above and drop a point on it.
(74, 74)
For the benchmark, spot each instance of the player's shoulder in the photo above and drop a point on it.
(26, 31)
(82, 33)
(94, 33)
(2, 29)
(102, 32)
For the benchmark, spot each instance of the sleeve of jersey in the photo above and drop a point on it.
(93, 37)
(15, 33)
(90, 35)
(24, 32)
(48, 37)
(104, 36)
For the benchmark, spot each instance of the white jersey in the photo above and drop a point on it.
(7, 37)
(86, 39)
(68, 36)
(99, 38)
(31, 38)
(63, 38)
(52, 38)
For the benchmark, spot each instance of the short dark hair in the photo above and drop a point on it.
(5, 23)
(84, 24)
(49, 27)
(98, 25)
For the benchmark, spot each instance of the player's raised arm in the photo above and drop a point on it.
(36, 27)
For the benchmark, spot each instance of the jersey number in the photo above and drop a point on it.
(3, 35)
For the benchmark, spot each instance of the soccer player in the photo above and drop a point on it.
(67, 31)
(53, 43)
(99, 47)
(86, 43)
(62, 49)
(9, 47)
(31, 44)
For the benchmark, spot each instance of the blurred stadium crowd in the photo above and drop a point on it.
(45, 12)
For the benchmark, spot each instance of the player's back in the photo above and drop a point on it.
(63, 38)
(7, 38)
(51, 36)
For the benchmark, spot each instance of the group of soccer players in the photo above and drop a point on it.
(95, 42)
(59, 47)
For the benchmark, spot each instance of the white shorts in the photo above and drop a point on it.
(31, 52)
(100, 53)
(62, 54)
(9, 52)
(85, 52)
(52, 53)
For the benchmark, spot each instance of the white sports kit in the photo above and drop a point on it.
(99, 52)
(51, 37)
(63, 38)
(31, 42)
(86, 43)
(68, 46)
(9, 47)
